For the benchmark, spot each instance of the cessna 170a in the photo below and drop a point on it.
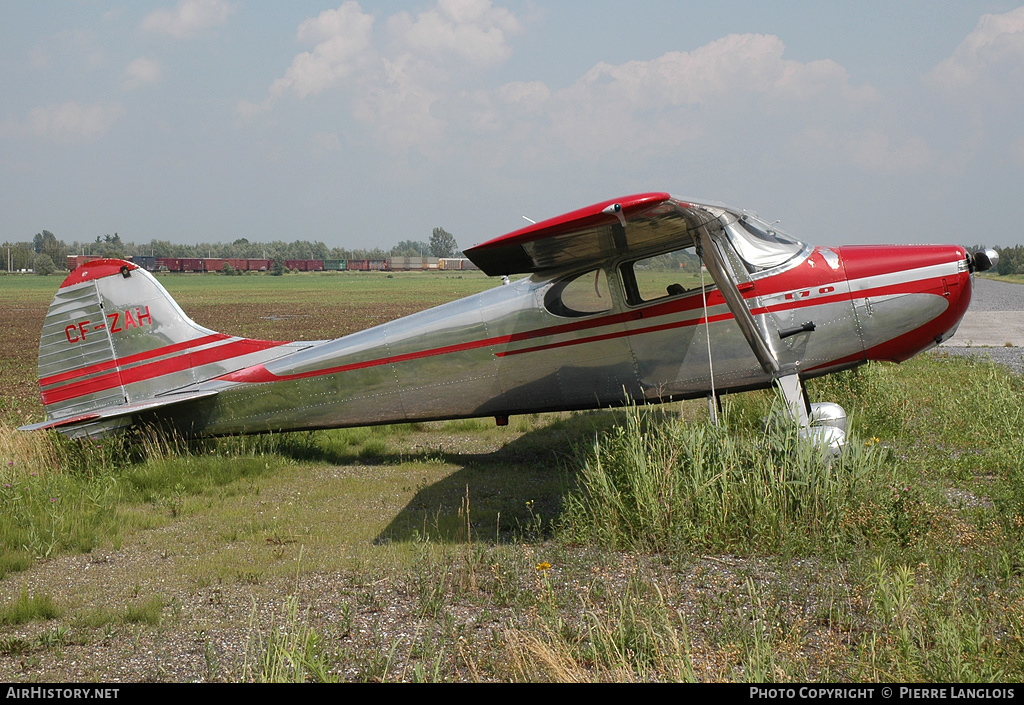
(647, 298)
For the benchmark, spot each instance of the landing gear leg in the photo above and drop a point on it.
(796, 399)
(823, 423)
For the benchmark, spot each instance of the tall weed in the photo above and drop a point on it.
(291, 651)
(661, 484)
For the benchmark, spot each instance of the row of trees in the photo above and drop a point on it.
(46, 252)
(1011, 259)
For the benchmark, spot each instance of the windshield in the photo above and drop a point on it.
(760, 245)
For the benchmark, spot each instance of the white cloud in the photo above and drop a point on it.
(746, 64)
(519, 102)
(399, 109)
(528, 95)
(642, 108)
(394, 92)
(471, 31)
(986, 58)
(341, 38)
(141, 72)
(407, 96)
(188, 18)
(68, 122)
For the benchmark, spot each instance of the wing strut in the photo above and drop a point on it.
(824, 423)
(796, 399)
(786, 377)
(722, 274)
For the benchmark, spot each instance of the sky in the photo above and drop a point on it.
(360, 124)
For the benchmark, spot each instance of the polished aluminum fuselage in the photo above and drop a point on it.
(501, 352)
(116, 350)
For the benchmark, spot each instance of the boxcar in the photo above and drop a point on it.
(147, 262)
(305, 265)
(76, 261)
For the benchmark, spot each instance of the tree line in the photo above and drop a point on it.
(45, 253)
(1011, 259)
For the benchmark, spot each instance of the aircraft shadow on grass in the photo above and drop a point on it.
(513, 493)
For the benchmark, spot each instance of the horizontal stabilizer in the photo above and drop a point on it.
(119, 410)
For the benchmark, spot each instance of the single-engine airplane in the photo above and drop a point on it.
(643, 299)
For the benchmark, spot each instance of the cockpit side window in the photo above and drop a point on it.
(583, 295)
(669, 274)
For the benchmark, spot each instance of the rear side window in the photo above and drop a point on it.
(582, 295)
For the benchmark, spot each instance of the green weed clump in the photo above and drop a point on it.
(927, 625)
(289, 652)
(55, 495)
(27, 608)
(935, 405)
(659, 484)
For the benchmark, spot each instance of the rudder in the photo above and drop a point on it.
(107, 315)
(114, 343)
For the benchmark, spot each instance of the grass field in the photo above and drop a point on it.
(630, 546)
(1013, 278)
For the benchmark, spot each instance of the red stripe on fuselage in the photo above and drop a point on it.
(131, 359)
(260, 374)
(620, 334)
(818, 301)
(156, 369)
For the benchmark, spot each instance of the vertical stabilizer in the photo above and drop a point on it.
(114, 341)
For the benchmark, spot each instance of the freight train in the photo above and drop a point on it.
(218, 264)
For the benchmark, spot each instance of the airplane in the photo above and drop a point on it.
(644, 299)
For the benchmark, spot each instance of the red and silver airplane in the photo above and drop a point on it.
(593, 325)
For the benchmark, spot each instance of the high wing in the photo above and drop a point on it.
(594, 234)
(605, 230)
(637, 223)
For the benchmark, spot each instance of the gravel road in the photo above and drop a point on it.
(993, 326)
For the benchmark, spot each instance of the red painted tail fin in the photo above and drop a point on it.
(115, 343)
